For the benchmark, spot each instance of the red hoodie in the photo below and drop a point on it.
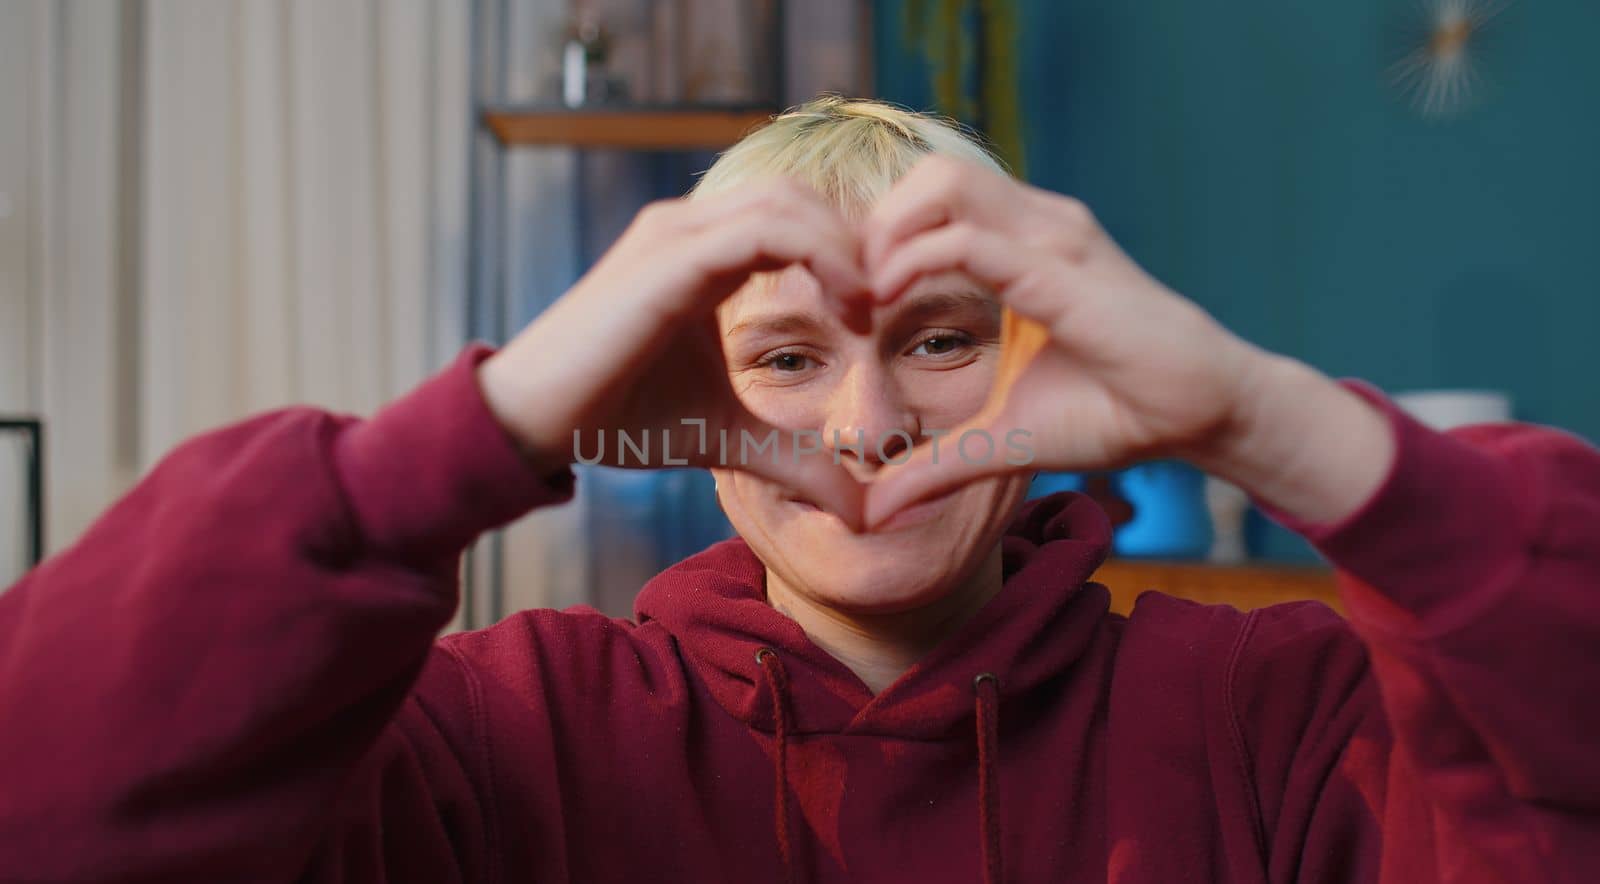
(233, 677)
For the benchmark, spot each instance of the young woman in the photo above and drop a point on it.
(897, 672)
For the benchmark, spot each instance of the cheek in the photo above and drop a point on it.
(947, 398)
(941, 399)
(744, 498)
(729, 492)
(793, 408)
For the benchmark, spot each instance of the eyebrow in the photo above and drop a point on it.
(778, 324)
(935, 303)
(913, 309)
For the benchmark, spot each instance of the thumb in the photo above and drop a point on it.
(932, 471)
(977, 450)
(797, 460)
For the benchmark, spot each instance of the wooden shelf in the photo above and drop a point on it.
(628, 129)
(1242, 586)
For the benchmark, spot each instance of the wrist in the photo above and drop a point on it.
(1301, 443)
(516, 410)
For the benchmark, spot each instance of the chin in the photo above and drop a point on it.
(878, 574)
(916, 558)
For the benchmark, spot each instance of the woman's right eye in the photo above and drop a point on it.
(789, 362)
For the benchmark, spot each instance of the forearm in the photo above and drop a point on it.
(232, 637)
(1471, 572)
(1301, 444)
(517, 386)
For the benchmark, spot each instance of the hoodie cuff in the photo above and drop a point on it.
(432, 470)
(1438, 536)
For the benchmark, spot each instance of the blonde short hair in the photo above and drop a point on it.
(850, 150)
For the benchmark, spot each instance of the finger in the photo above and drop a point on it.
(938, 190)
(963, 247)
(976, 451)
(756, 207)
(685, 214)
(760, 240)
(1034, 283)
(799, 462)
(777, 198)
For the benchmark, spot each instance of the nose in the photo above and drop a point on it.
(869, 420)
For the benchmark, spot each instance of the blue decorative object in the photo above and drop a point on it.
(1268, 541)
(1170, 519)
(1046, 484)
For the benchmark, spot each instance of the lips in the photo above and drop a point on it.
(916, 514)
(908, 517)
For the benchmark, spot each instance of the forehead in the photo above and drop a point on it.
(795, 291)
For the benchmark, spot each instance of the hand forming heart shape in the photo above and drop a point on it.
(1100, 363)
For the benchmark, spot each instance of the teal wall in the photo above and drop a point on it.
(1258, 160)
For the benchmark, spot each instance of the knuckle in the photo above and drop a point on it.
(1029, 289)
(949, 175)
(1074, 212)
(964, 233)
(1074, 229)
(785, 190)
(1070, 245)
(655, 215)
(935, 172)
(1066, 202)
(772, 199)
(792, 191)
(943, 164)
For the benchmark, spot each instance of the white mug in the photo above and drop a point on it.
(1447, 409)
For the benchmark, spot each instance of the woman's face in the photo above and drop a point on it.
(925, 366)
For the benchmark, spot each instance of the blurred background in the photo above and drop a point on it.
(213, 207)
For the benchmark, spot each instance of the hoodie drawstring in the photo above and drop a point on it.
(778, 684)
(986, 687)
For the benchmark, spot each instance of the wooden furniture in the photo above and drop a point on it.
(1243, 586)
(627, 129)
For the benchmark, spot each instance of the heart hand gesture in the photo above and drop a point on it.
(632, 349)
(1102, 364)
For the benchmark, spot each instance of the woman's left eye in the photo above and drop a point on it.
(942, 344)
(789, 362)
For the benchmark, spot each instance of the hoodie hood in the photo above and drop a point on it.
(1032, 631)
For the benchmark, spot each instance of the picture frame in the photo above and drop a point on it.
(21, 496)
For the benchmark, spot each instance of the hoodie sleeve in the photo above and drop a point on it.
(1453, 736)
(190, 691)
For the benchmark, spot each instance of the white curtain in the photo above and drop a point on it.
(304, 211)
(213, 207)
(64, 302)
